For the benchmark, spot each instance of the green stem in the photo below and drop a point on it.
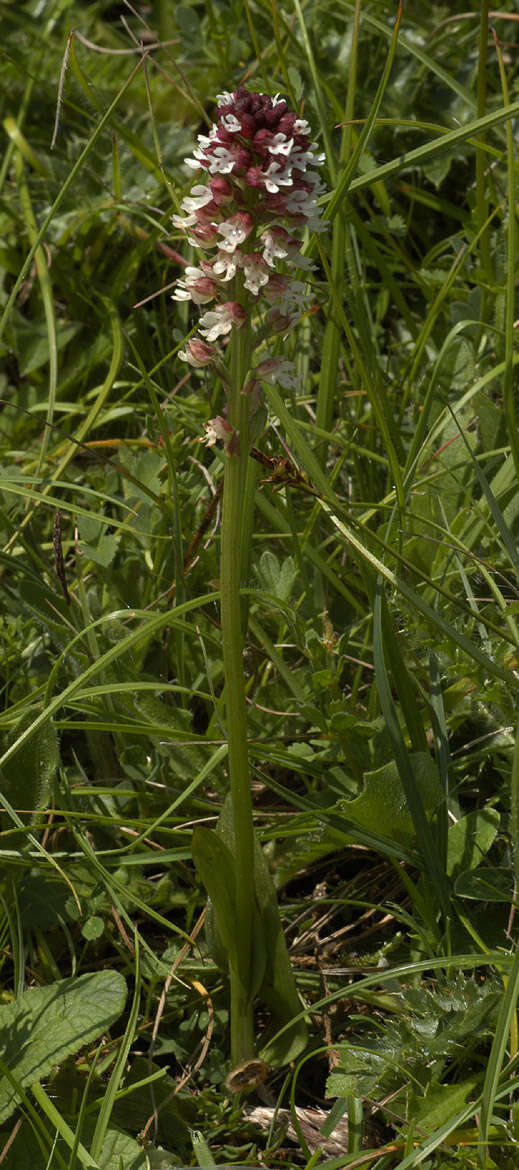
(242, 1032)
(481, 160)
(333, 331)
(509, 390)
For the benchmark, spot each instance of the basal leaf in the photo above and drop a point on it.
(216, 938)
(279, 986)
(272, 975)
(215, 868)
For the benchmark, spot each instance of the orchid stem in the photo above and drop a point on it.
(242, 1032)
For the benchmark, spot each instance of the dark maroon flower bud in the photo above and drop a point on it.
(221, 189)
(248, 125)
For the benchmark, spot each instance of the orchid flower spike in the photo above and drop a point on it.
(261, 192)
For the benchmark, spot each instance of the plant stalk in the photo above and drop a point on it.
(242, 1032)
(481, 158)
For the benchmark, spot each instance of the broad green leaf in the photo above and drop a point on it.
(365, 1069)
(383, 803)
(188, 24)
(119, 1150)
(103, 551)
(30, 341)
(470, 839)
(214, 865)
(27, 775)
(490, 420)
(296, 82)
(272, 975)
(437, 169)
(45, 900)
(159, 1159)
(213, 939)
(97, 544)
(92, 928)
(440, 1103)
(25, 1153)
(279, 986)
(146, 468)
(161, 718)
(216, 941)
(312, 843)
(277, 579)
(486, 885)
(47, 1024)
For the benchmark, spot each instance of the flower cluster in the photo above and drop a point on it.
(261, 192)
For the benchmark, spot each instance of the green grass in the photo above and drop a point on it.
(382, 644)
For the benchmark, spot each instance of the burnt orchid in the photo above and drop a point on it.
(246, 221)
(262, 191)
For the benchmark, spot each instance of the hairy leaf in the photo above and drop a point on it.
(47, 1024)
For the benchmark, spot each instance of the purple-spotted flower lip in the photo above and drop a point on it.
(219, 430)
(219, 321)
